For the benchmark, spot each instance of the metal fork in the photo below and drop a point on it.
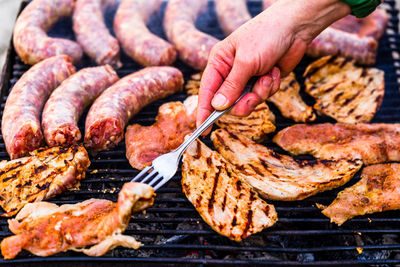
(165, 166)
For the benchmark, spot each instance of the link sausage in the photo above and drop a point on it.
(137, 41)
(21, 118)
(30, 39)
(193, 45)
(110, 112)
(92, 33)
(67, 103)
(231, 14)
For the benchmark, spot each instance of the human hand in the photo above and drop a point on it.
(276, 37)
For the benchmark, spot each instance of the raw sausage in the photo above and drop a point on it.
(110, 112)
(137, 41)
(92, 33)
(231, 14)
(67, 103)
(21, 118)
(193, 45)
(30, 39)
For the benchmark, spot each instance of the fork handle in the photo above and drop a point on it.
(213, 117)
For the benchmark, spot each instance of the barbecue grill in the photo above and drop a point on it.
(173, 232)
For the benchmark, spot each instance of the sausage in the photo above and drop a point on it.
(137, 41)
(30, 38)
(66, 104)
(231, 14)
(193, 45)
(21, 118)
(110, 112)
(92, 33)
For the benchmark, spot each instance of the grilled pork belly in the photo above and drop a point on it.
(372, 143)
(377, 191)
(174, 121)
(224, 202)
(289, 101)
(44, 228)
(44, 174)
(344, 91)
(255, 126)
(280, 177)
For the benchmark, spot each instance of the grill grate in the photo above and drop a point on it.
(172, 230)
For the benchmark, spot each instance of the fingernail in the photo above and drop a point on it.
(219, 101)
(267, 82)
(252, 103)
(275, 73)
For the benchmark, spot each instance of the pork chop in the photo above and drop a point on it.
(280, 177)
(344, 91)
(224, 202)
(44, 228)
(372, 143)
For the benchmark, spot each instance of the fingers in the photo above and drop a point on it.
(246, 105)
(267, 84)
(292, 57)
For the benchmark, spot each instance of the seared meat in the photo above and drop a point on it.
(174, 121)
(372, 143)
(44, 228)
(377, 191)
(289, 101)
(255, 126)
(192, 86)
(44, 174)
(224, 202)
(280, 177)
(344, 91)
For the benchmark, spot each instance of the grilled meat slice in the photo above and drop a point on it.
(289, 101)
(44, 174)
(377, 191)
(372, 143)
(224, 202)
(344, 91)
(280, 177)
(44, 228)
(174, 121)
(255, 126)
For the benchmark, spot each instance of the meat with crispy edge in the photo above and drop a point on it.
(224, 202)
(45, 229)
(281, 177)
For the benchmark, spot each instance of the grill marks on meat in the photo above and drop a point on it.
(46, 173)
(280, 177)
(44, 228)
(255, 126)
(372, 143)
(229, 206)
(31, 41)
(377, 191)
(289, 101)
(174, 121)
(343, 91)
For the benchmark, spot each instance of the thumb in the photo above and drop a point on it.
(233, 86)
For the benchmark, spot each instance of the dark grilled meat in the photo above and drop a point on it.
(280, 177)
(224, 202)
(44, 174)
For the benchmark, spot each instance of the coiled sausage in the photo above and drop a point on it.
(231, 14)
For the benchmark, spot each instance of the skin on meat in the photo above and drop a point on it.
(145, 143)
(231, 14)
(106, 120)
(280, 177)
(377, 191)
(45, 229)
(193, 45)
(31, 41)
(136, 39)
(44, 174)
(222, 199)
(92, 34)
(66, 104)
(372, 143)
(289, 102)
(21, 118)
